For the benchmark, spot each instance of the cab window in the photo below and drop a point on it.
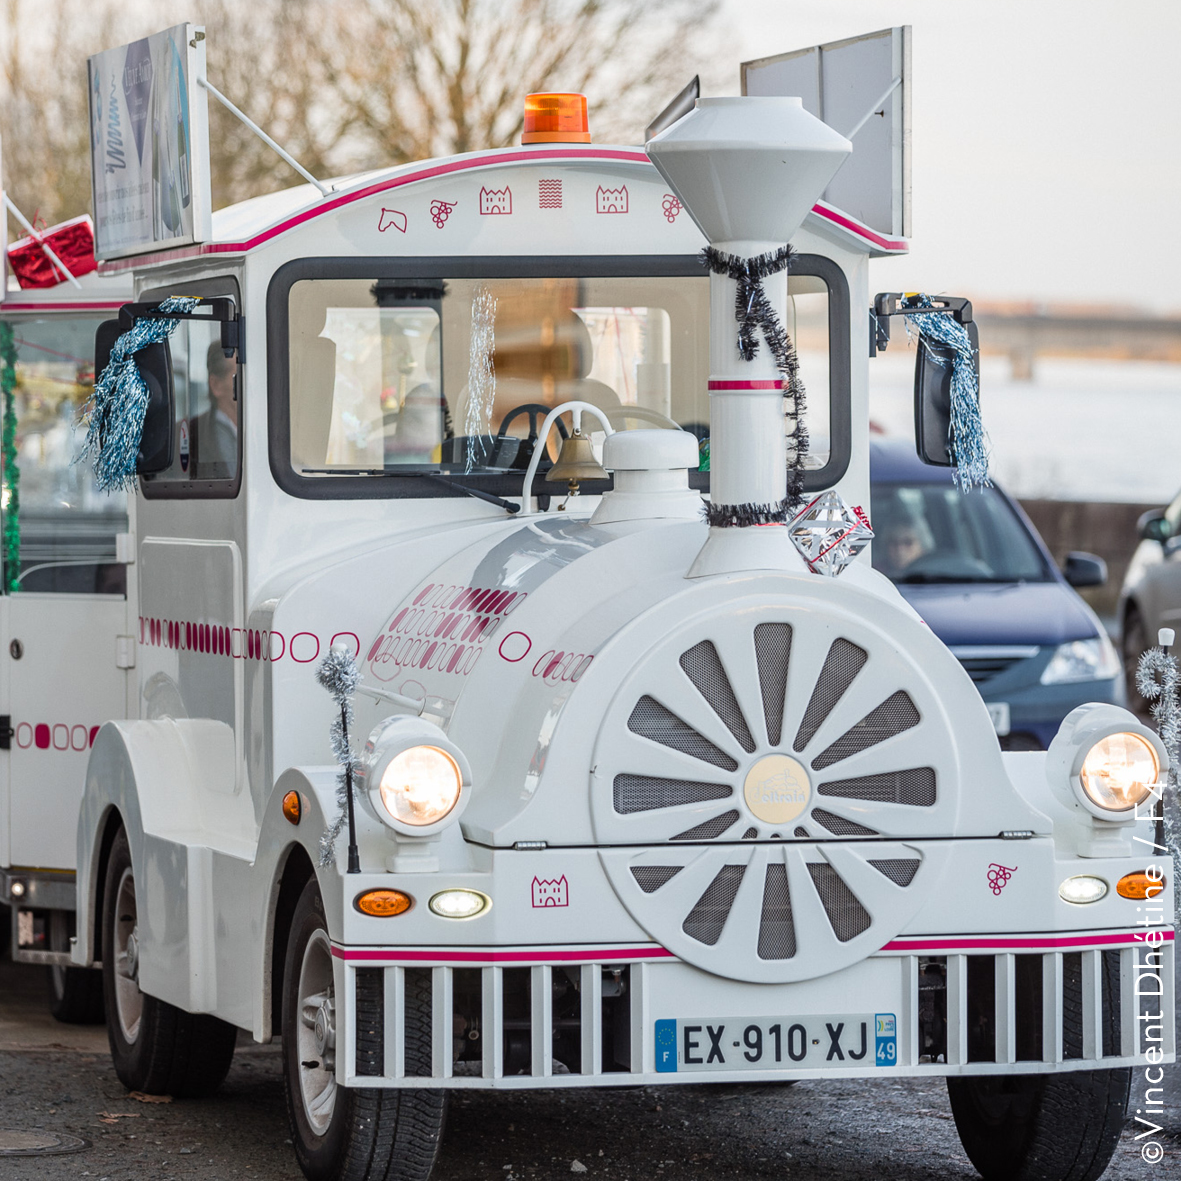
(403, 376)
(206, 453)
(67, 527)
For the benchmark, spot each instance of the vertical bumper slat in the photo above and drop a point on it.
(909, 1048)
(394, 982)
(492, 1022)
(541, 1020)
(1052, 1007)
(1005, 968)
(346, 1035)
(1128, 1025)
(1092, 1005)
(591, 1008)
(957, 1010)
(640, 1045)
(442, 1021)
(1168, 974)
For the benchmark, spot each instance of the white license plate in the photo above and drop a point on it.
(998, 711)
(776, 1043)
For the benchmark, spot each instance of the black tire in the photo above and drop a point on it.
(356, 1134)
(156, 1048)
(76, 995)
(1133, 644)
(1045, 1127)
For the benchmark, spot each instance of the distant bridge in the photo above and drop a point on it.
(1025, 335)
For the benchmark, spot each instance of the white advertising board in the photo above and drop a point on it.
(842, 83)
(149, 144)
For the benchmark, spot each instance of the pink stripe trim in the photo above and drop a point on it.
(327, 206)
(938, 944)
(58, 305)
(859, 228)
(540, 955)
(746, 385)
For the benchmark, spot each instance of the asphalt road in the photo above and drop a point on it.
(58, 1078)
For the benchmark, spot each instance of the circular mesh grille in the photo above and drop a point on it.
(691, 861)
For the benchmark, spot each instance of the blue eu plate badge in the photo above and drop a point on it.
(666, 1047)
(886, 1053)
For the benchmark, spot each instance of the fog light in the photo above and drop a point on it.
(459, 904)
(17, 889)
(1081, 889)
(383, 904)
(1140, 885)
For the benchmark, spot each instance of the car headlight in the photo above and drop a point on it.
(1082, 660)
(415, 780)
(1106, 760)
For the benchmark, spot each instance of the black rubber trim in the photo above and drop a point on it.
(519, 267)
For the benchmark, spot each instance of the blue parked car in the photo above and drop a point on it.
(973, 566)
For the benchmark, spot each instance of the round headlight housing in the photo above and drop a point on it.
(1119, 772)
(420, 785)
(415, 779)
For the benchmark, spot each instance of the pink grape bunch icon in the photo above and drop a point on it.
(441, 211)
(998, 876)
(671, 206)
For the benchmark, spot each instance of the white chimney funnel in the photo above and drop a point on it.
(748, 170)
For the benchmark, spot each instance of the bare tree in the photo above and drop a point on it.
(347, 85)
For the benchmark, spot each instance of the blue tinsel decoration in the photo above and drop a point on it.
(968, 439)
(115, 412)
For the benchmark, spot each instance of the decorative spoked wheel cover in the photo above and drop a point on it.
(129, 1001)
(315, 1034)
(763, 783)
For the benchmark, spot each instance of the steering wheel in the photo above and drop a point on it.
(618, 416)
(536, 411)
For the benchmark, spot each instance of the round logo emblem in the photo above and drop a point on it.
(777, 789)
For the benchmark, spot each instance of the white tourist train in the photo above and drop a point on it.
(645, 799)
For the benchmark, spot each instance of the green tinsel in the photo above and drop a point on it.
(12, 475)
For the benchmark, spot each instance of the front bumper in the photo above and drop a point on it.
(965, 1004)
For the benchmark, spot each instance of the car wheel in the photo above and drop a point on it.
(156, 1048)
(352, 1133)
(1134, 643)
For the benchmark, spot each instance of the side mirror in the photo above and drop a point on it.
(1081, 569)
(155, 367)
(932, 398)
(1154, 526)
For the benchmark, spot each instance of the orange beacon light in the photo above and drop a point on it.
(555, 119)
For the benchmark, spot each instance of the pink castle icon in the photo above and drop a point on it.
(611, 200)
(550, 893)
(496, 200)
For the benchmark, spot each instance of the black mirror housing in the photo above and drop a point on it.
(155, 367)
(1083, 569)
(1153, 526)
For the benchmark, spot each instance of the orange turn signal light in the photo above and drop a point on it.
(1140, 885)
(383, 904)
(555, 119)
(292, 807)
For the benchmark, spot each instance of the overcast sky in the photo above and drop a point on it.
(1047, 141)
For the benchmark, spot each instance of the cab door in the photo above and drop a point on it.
(65, 639)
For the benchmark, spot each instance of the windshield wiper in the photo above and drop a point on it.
(499, 501)
(507, 505)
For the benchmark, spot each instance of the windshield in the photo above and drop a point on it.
(401, 375)
(936, 533)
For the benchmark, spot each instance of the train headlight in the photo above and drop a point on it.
(415, 779)
(1107, 760)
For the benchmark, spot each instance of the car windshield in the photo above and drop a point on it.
(936, 533)
(453, 374)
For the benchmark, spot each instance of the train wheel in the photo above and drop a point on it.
(156, 1047)
(1040, 1127)
(75, 994)
(351, 1133)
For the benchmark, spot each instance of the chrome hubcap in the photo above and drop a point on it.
(129, 1001)
(315, 1036)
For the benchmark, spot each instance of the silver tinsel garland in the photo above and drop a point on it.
(339, 675)
(1156, 680)
(968, 440)
(481, 378)
(115, 411)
